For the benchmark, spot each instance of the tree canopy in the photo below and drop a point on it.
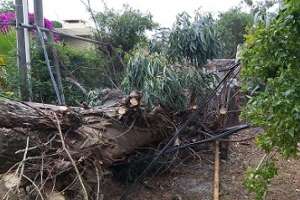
(6, 5)
(231, 28)
(124, 28)
(193, 40)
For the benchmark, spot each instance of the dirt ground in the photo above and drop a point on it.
(192, 180)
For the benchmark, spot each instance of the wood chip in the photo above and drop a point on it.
(122, 110)
(55, 196)
(11, 180)
(133, 102)
(223, 110)
(134, 94)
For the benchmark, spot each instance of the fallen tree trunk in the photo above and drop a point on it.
(107, 133)
(93, 137)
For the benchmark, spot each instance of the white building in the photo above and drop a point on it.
(76, 27)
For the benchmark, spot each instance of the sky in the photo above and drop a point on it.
(163, 11)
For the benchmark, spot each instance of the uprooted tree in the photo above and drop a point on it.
(49, 150)
(60, 152)
(57, 139)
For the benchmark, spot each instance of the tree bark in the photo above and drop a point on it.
(106, 133)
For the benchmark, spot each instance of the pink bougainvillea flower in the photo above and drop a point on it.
(7, 18)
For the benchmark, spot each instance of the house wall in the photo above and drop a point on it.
(76, 28)
(77, 43)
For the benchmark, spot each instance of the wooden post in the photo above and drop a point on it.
(23, 47)
(57, 68)
(38, 13)
(39, 20)
(27, 46)
(216, 190)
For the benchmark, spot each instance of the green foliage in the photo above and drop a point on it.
(6, 5)
(125, 28)
(162, 84)
(7, 42)
(159, 41)
(231, 28)
(271, 61)
(277, 109)
(57, 24)
(260, 10)
(271, 72)
(149, 73)
(7, 46)
(257, 180)
(193, 41)
(86, 66)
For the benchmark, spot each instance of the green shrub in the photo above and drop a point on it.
(271, 62)
(271, 73)
(231, 28)
(86, 66)
(257, 180)
(8, 73)
(123, 28)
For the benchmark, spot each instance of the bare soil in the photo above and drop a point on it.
(192, 180)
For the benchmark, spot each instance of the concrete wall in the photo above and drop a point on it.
(77, 43)
(76, 28)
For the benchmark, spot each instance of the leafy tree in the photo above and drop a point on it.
(125, 28)
(231, 28)
(271, 72)
(87, 67)
(57, 24)
(159, 41)
(259, 10)
(6, 5)
(193, 40)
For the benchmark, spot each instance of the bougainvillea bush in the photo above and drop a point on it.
(9, 18)
(8, 69)
(7, 35)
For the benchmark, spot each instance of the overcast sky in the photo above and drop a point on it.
(163, 11)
